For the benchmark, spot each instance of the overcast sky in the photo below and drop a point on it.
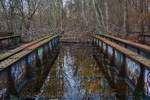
(64, 2)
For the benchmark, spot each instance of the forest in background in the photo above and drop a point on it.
(38, 17)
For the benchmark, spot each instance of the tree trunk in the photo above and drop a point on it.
(125, 25)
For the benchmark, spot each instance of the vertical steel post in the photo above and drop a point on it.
(122, 72)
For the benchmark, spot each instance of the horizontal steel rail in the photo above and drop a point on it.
(141, 49)
(2, 34)
(9, 37)
(144, 38)
(145, 35)
(8, 42)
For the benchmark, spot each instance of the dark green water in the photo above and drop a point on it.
(76, 75)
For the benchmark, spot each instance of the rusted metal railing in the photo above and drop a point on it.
(144, 38)
(134, 68)
(6, 33)
(9, 41)
(17, 68)
(141, 49)
(9, 53)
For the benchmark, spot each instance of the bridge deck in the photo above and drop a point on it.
(132, 55)
(9, 53)
(25, 50)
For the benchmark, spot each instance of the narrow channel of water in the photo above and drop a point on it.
(76, 75)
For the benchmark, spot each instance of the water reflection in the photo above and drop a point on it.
(76, 75)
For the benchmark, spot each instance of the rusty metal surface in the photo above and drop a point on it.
(146, 35)
(8, 37)
(6, 33)
(130, 43)
(145, 39)
(3, 56)
(14, 58)
(128, 53)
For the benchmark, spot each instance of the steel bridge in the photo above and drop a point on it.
(131, 61)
